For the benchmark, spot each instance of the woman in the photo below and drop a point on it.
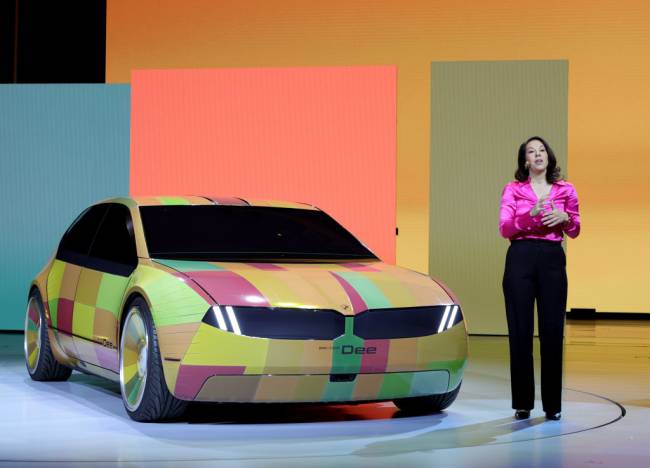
(536, 211)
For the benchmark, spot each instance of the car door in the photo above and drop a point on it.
(101, 287)
(65, 271)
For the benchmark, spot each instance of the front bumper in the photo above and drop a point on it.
(204, 363)
(318, 388)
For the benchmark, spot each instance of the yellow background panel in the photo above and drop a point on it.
(606, 42)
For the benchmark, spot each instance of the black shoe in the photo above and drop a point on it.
(554, 416)
(522, 414)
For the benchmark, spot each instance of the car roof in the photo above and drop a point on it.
(205, 200)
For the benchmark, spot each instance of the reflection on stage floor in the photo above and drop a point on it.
(606, 375)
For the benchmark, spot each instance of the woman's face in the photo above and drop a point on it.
(536, 156)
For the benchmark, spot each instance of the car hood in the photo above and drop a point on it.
(349, 288)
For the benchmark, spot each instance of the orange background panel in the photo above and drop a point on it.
(324, 136)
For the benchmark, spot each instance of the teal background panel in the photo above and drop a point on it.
(62, 147)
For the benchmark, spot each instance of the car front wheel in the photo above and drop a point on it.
(142, 383)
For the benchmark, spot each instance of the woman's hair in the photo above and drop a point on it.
(553, 173)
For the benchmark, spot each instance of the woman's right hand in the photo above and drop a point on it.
(539, 206)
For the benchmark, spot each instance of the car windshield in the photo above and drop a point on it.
(246, 233)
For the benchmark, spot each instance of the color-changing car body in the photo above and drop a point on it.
(238, 325)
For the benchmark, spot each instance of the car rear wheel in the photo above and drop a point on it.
(427, 404)
(142, 383)
(41, 363)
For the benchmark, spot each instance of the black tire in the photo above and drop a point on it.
(46, 368)
(156, 403)
(427, 404)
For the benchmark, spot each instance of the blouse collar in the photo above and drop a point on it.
(558, 182)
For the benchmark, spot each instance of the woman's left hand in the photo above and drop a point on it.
(554, 217)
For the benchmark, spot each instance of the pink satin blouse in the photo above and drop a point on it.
(519, 198)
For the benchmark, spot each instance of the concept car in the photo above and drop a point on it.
(228, 300)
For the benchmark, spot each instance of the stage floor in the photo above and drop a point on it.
(606, 409)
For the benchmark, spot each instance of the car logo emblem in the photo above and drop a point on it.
(346, 307)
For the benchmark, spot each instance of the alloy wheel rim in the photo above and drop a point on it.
(134, 358)
(33, 330)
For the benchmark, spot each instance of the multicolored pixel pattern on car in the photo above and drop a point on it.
(201, 361)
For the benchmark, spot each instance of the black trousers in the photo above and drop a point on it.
(535, 271)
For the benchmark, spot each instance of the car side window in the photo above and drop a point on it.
(113, 250)
(76, 241)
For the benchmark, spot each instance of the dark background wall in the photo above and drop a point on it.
(61, 41)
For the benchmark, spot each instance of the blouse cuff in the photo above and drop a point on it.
(526, 222)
